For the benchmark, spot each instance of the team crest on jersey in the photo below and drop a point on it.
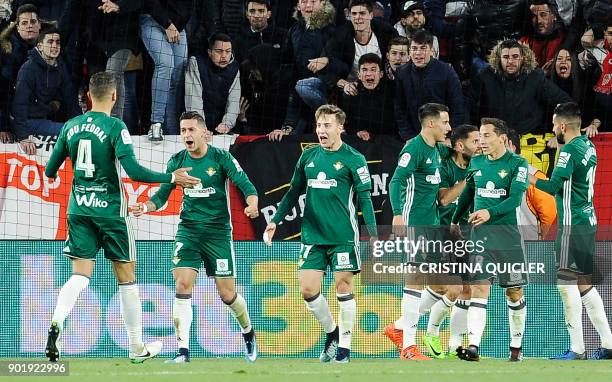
(338, 166)
(502, 173)
(211, 171)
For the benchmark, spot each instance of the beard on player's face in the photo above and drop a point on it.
(560, 137)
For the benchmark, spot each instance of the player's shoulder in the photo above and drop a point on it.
(179, 157)
(478, 160)
(517, 160)
(353, 153)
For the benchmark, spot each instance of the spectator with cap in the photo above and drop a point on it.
(412, 20)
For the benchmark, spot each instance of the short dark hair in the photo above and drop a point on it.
(569, 112)
(262, 2)
(399, 40)
(461, 132)
(46, 31)
(370, 58)
(102, 85)
(369, 4)
(431, 110)
(193, 115)
(515, 138)
(500, 126)
(509, 44)
(26, 8)
(422, 36)
(218, 37)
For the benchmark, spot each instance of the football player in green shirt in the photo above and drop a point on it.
(98, 146)
(333, 175)
(495, 185)
(204, 233)
(573, 184)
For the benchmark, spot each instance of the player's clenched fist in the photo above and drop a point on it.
(139, 209)
(183, 179)
(252, 209)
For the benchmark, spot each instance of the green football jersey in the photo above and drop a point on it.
(451, 174)
(575, 170)
(207, 204)
(331, 180)
(416, 182)
(95, 142)
(497, 186)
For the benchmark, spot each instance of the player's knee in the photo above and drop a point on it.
(309, 291)
(514, 294)
(453, 292)
(183, 286)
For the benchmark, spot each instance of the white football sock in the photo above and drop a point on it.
(517, 313)
(597, 314)
(572, 311)
(319, 308)
(411, 316)
(346, 318)
(182, 314)
(67, 297)
(131, 310)
(458, 324)
(476, 320)
(399, 323)
(239, 310)
(437, 314)
(428, 299)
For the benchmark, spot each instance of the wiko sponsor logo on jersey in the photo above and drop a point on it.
(198, 192)
(491, 192)
(322, 182)
(90, 201)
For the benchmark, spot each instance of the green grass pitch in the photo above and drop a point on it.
(310, 370)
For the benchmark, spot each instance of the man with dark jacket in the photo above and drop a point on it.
(425, 80)
(370, 112)
(44, 96)
(212, 85)
(16, 40)
(258, 31)
(513, 88)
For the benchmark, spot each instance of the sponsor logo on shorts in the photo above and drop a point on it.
(343, 260)
(322, 182)
(223, 267)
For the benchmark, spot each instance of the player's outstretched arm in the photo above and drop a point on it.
(142, 174)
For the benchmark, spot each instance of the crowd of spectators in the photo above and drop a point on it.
(262, 66)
